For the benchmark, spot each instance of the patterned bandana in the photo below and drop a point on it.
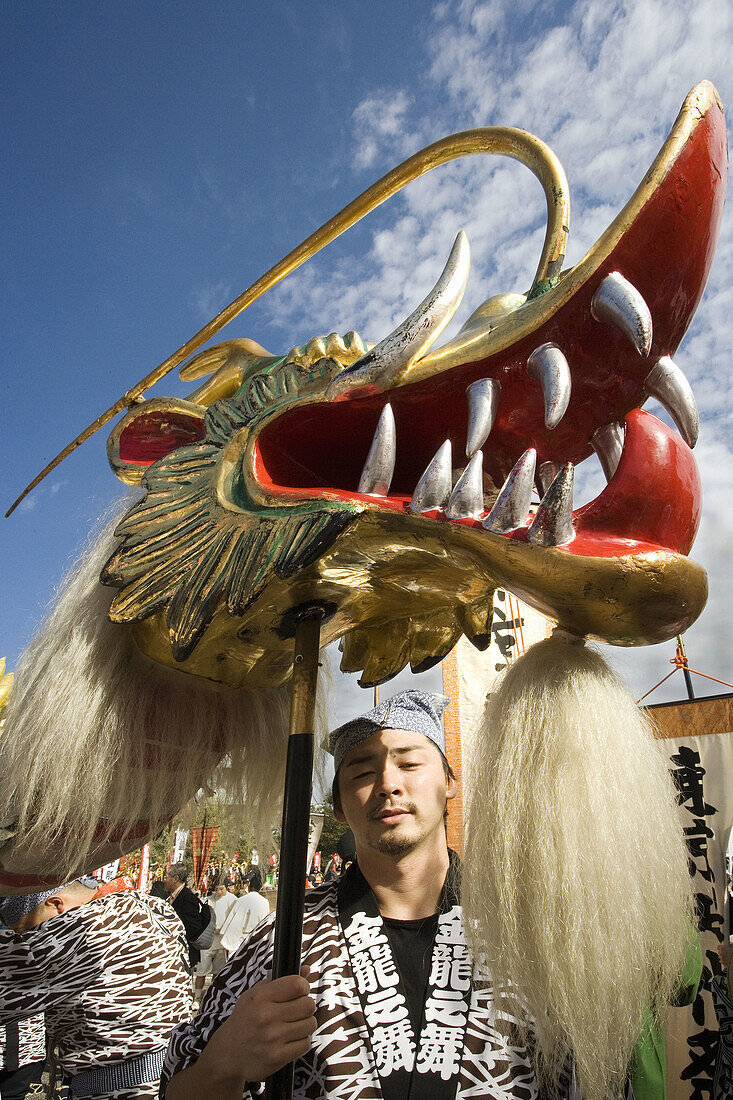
(14, 909)
(419, 711)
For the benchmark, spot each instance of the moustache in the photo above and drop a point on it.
(406, 807)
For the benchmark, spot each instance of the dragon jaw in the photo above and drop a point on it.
(401, 587)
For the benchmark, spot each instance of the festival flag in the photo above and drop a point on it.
(203, 839)
(114, 886)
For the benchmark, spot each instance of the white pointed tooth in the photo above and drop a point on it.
(546, 474)
(618, 302)
(553, 524)
(414, 336)
(548, 366)
(433, 490)
(511, 507)
(467, 498)
(483, 400)
(608, 443)
(670, 387)
(376, 477)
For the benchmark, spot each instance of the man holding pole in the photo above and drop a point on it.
(389, 1001)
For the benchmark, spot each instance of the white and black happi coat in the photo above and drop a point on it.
(111, 976)
(22, 1043)
(364, 1036)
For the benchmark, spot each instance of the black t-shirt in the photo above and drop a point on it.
(412, 947)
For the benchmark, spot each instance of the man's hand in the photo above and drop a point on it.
(271, 1025)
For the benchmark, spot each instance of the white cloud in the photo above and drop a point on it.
(379, 126)
(602, 83)
(211, 297)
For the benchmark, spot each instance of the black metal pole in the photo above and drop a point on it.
(295, 821)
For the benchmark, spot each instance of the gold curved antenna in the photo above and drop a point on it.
(501, 140)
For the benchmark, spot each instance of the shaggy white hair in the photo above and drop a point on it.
(102, 746)
(576, 883)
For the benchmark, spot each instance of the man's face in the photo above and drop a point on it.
(393, 791)
(170, 882)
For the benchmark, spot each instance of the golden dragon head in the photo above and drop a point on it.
(391, 486)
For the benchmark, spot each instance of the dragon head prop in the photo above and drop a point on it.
(335, 475)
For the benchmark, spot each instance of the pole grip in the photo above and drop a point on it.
(295, 821)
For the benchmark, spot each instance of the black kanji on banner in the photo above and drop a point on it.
(502, 628)
(688, 774)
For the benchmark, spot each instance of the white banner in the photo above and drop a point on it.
(702, 767)
(109, 871)
(179, 848)
(514, 628)
(314, 835)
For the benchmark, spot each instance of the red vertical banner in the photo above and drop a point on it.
(203, 840)
(142, 878)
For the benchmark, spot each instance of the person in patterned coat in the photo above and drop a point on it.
(22, 1057)
(389, 1003)
(111, 974)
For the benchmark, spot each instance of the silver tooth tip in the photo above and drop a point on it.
(376, 477)
(668, 384)
(553, 524)
(617, 301)
(511, 507)
(608, 443)
(433, 490)
(548, 366)
(467, 499)
(483, 400)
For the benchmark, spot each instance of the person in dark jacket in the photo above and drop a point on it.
(186, 904)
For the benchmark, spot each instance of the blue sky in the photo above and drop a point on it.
(160, 157)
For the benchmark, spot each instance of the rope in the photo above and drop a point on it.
(680, 661)
(517, 623)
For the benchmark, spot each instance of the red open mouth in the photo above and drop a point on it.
(653, 499)
(571, 383)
